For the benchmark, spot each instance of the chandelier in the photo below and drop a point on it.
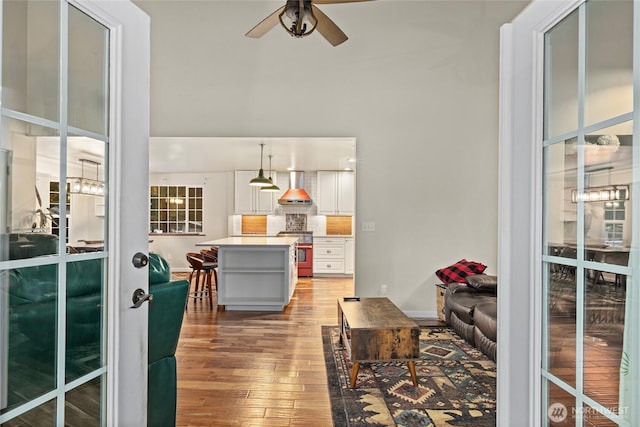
(83, 185)
(608, 193)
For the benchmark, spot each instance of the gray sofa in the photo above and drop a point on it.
(471, 309)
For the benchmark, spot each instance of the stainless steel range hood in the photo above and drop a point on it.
(295, 195)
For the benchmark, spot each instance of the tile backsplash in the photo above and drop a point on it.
(295, 222)
(320, 225)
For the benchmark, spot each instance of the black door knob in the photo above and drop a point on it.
(140, 260)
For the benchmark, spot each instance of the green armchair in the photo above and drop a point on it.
(166, 312)
(32, 295)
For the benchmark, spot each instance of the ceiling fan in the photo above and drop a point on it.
(300, 18)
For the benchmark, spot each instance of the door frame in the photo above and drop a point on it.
(128, 201)
(519, 381)
(520, 210)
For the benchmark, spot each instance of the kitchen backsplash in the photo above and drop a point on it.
(315, 223)
(295, 222)
(319, 224)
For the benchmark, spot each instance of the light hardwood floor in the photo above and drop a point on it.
(258, 369)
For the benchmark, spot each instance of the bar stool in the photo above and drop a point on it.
(198, 264)
(196, 268)
(210, 257)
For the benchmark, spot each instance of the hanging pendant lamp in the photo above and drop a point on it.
(272, 188)
(260, 180)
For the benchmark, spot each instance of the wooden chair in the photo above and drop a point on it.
(567, 271)
(616, 258)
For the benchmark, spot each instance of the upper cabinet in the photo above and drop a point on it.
(249, 200)
(336, 193)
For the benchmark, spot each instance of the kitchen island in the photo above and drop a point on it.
(256, 273)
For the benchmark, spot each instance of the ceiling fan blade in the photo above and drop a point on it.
(328, 29)
(336, 1)
(265, 25)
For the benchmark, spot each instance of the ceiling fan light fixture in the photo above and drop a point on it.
(300, 20)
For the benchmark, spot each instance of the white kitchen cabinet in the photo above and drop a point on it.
(349, 255)
(336, 193)
(249, 200)
(330, 256)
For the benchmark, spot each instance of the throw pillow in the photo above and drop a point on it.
(458, 272)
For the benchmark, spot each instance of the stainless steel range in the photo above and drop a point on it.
(305, 251)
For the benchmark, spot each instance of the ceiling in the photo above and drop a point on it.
(209, 154)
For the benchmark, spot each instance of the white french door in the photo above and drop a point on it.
(569, 233)
(74, 197)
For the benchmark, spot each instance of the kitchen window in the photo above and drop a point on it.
(175, 209)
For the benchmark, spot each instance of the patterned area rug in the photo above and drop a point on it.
(457, 385)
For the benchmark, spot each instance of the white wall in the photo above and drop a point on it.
(23, 178)
(85, 222)
(417, 86)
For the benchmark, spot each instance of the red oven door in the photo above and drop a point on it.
(305, 260)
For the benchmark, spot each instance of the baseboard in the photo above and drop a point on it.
(330, 275)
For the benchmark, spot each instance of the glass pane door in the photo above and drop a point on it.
(53, 224)
(587, 223)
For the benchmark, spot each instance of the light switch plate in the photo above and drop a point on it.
(369, 226)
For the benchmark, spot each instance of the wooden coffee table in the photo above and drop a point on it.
(374, 329)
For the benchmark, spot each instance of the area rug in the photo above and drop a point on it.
(456, 385)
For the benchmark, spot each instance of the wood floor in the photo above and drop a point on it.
(267, 369)
(258, 369)
(601, 372)
(602, 342)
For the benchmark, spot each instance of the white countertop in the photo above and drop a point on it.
(251, 241)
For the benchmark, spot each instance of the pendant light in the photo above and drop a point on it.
(260, 180)
(272, 188)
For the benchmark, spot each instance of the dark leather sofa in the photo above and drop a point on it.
(471, 309)
(32, 295)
